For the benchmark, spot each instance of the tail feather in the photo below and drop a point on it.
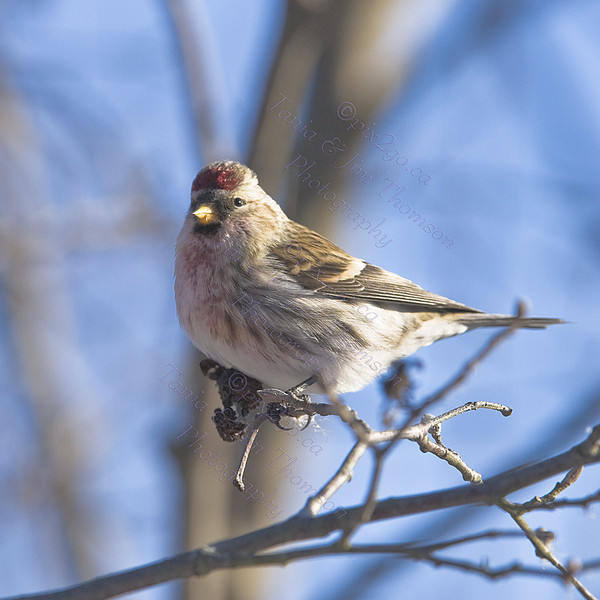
(474, 320)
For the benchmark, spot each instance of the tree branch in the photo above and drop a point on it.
(245, 550)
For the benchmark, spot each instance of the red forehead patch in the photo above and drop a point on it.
(222, 177)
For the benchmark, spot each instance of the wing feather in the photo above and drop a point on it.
(318, 264)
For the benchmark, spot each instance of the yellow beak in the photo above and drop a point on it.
(206, 215)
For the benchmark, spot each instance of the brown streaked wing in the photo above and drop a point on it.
(318, 264)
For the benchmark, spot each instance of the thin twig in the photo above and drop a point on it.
(370, 502)
(550, 498)
(451, 457)
(574, 503)
(414, 432)
(468, 367)
(359, 427)
(417, 433)
(342, 476)
(239, 477)
(542, 550)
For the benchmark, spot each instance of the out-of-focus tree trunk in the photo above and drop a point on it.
(332, 52)
(325, 48)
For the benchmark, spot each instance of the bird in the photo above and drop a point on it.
(260, 293)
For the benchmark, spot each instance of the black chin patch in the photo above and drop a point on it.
(200, 229)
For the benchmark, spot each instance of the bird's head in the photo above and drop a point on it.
(226, 199)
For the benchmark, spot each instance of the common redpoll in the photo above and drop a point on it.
(260, 293)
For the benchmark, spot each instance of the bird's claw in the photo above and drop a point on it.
(274, 412)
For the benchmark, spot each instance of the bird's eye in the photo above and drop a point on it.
(238, 202)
